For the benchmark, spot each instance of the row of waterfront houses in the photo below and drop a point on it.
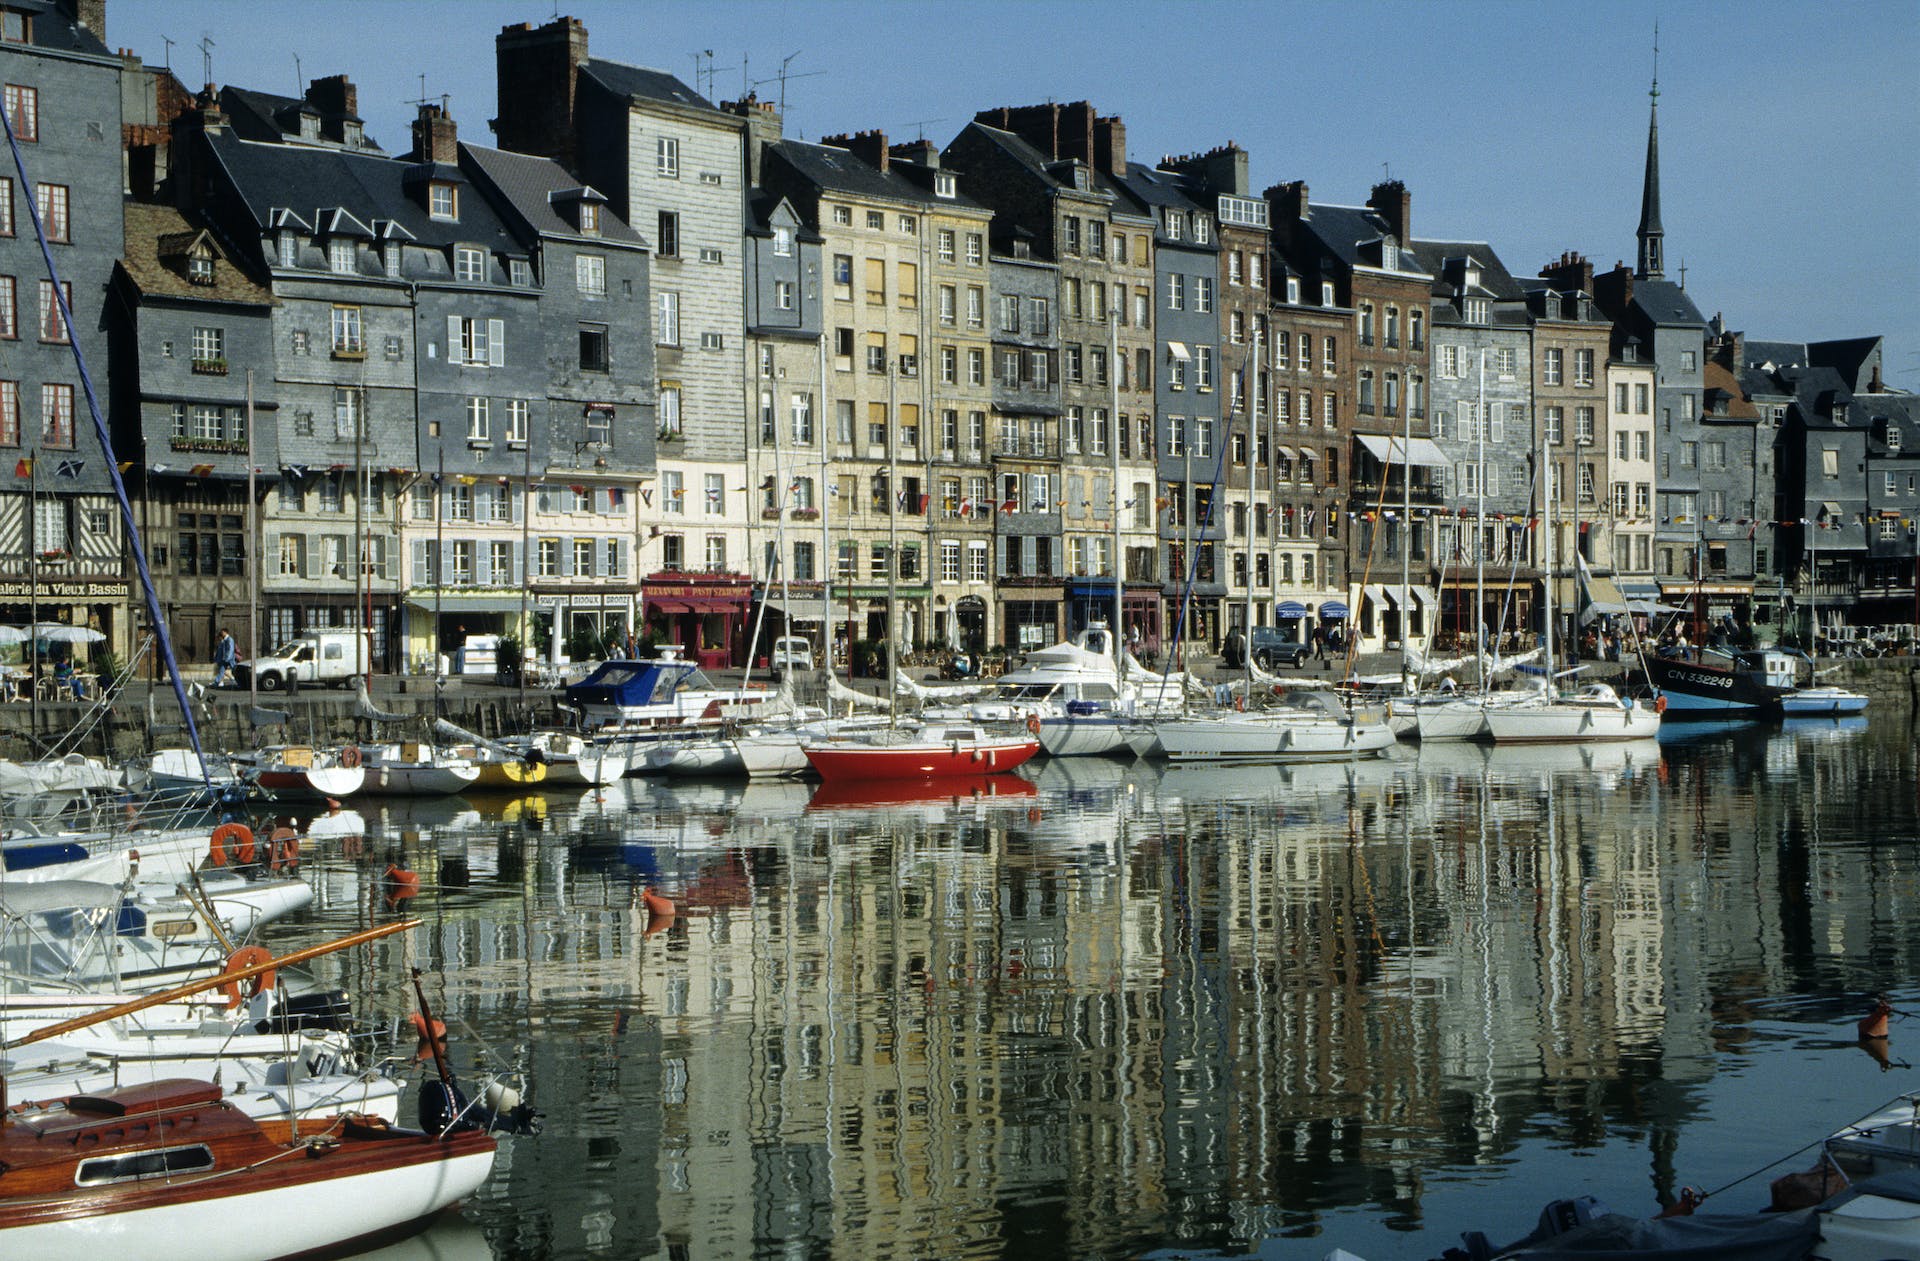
(649, 366)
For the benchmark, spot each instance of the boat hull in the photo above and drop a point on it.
(1572, 724)
(287, 1211)
(1694, 688)
(1095, 735)
(928, 760)
(419, 781)
(316, 782)
(1821, 702)
(1258, 739)
(509, 776)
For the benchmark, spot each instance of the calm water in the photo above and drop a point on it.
(1112, 1011)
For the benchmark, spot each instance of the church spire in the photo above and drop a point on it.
(1652, 235)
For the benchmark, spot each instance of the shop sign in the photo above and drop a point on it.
(83, 591)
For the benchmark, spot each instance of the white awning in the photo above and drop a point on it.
(1378, 595)
(1178, 350)
(1395, 450)
(1286, 450)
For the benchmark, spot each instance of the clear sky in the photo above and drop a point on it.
(1789, 132)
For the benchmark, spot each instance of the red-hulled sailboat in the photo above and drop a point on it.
(933, 751)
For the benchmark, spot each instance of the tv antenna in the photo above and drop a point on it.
(782, 77)
(299, 77)
(168, 54)
(706, 72)
(206, 56)
(919, 126)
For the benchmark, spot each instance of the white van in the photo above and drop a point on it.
(791, 652)
(319, 656)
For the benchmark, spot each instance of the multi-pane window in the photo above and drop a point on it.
(469, 264)
(53, 325)
(666, 329)
(54, 215)
(1583, 367)
(9, 413)
(479, 427)
(716, 495)
(56, 413)
(666, 157)
(348, 412)
(673, 492)
(342, 258)
(590, 275)
(348, 338)
(23, 111)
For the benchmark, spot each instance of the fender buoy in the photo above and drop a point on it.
(1873, 1025)
(242, 837)
(349, 758)
(428, 1035)
(1660, 703)
(1240, 704)
(657, 907)
(247, 957)
(401, 883)
(283, 848)
(1033, 724)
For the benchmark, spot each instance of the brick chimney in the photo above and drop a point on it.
(535, 72)
(334, 94)
(1571, 271)
(1221, 170)
(763, 128)
(1109, 146)
(436, 138)
(1289, 202)
(1392, 202)
(1057, 131)
(1613, 290)
(869, 146)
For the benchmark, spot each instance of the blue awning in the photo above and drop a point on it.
(1290, 608)
(1333, 608)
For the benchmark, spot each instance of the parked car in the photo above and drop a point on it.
(319, 656)
(791, 653)
(1270, 649)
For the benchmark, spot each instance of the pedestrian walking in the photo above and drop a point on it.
(224, 658)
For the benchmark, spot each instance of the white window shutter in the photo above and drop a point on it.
(1053, 491)
(519, 563)
(546, 501)
(518, 499)
(483, 564)
(454, 354)
(496, 343)
(566, 558)
(419, 562)
(445, 574)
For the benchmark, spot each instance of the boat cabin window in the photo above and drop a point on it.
(961, 733)
(133, 1166)
(1028, 691)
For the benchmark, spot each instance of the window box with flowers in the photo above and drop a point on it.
(215, 446)
(54, 555)
(210, 367)
(669, 435)
(806, 514)
(769, 514)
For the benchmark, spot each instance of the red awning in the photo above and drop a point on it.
(668, 606)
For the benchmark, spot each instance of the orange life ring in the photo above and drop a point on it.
(247, 957)
(350, 756)
(242, 837)
(1033, 724)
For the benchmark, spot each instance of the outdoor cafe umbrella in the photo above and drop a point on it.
(12, 635)
(56, 633)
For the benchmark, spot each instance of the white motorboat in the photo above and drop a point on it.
(183, 775)
(415, 770)
(666, 691)
(779, 752)
(709, 754)
(70, 774)
(1306, 725)
(1088, 729)
(1596, 712)
(1824, 701)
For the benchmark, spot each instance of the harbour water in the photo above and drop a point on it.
(1118, 1010)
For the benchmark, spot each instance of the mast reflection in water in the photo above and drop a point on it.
(1269, 1009)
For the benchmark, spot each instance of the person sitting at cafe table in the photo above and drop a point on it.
(66, 676)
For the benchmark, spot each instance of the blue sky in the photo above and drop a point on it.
(1788, 136)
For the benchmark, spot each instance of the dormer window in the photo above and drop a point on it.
(1474, 310)
(341, 256)
(353, 134)
(200, 269)
(783, 242)
(15, 27)
(1390, 256)
(589, 219)
(289, 250)
(944, 185)
(469, 264)
(443, 201)
(1173, 225)
(1200, 229)
(1326, 293)
(1839, 413)
(309, 126)
(1892, 436)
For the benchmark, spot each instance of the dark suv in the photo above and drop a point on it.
(1270, 650)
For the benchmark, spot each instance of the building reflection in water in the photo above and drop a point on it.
(1137, 1006)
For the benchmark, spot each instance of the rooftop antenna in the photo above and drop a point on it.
(169, 51)
(707, 71)
(1683, 273)
(782, 77)
(920, 126)
(206, 56)
(1387, 169)
(299, 77)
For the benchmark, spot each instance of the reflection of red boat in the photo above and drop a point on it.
(853, 793)
(932, 752)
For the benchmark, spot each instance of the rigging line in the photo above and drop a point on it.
(106, 446)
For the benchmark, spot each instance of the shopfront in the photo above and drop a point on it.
(597, 624)
(96, 606)
(706, 615)
(441, 627)
(1505, 607)
(1032, 614)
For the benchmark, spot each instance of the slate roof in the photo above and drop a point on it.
(638, 81)
(1345, 231)
(1152, 188)
(1848, 355)
(261, 115)
(1494, 276)
(1725, 398)
(338, 186)
(529, 184)
(1779, 354)
(1663, 302)
(1036, 163)
(839, 170)
(156, 232)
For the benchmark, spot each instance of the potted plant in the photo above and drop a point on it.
(508, 658)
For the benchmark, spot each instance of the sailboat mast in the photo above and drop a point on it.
(1113, 446)
(1546, 588)
(253, 546)
(826, 539)
(1480, 526)
(892, 641)
(1406, 538)
(1250, 376)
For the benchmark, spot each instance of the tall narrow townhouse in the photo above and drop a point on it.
(787, 461)
(1632, 483)
(1218, 181)
(1026, 388)
(1589, 427)
(673, 165)
(1494, 503)
(1308, 336)
(1363, 262)
(193, 350)
(1188, 393)
(585, 439)
(908, 359)
(1655, 321)
(1070, 484)
(61, 541)
(342, 238)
